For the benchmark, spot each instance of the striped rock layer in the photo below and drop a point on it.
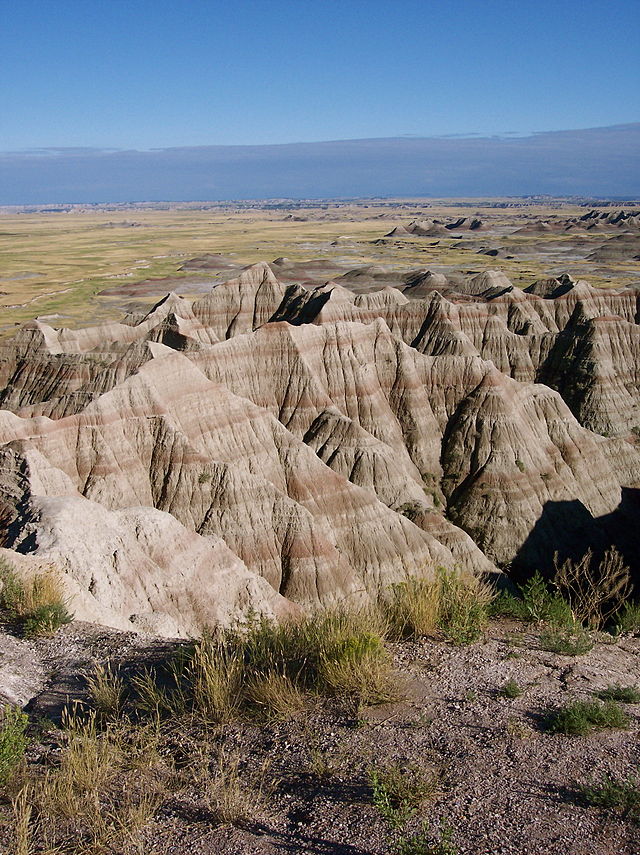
(270, 448)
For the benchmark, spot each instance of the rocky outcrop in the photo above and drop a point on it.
(273, 447)
(436, 228)
(592, 221)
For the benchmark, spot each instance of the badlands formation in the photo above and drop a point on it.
(271, 447)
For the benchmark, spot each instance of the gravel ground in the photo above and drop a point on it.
(504, 786)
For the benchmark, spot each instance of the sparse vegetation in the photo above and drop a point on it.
(98, 797)
(518, 728)
(46, 619)
(585, 594)
(22, 822)
(36, 604)
(594, 590)
(106, 691)
(621, 694)
(268, 669)
(536, 603)
(422, 842)
(13, 741)
(321, 765)
(614, 794)
(412, 608)
(228, 794)
(156, 741)
(566, 641)
(581, 717)
(511, 690)
(411, 509)
(450, 604)
(399, 793)
(275, 696)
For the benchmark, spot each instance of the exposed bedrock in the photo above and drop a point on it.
(270, 447)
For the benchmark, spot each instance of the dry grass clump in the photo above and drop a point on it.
(106, 691)
(412, 608)
(274, 696)
(22, 822)
(452, 604)
(269, 669)
(37, 604)
(13, 741)
(104, 789)
(231, 795)
(360, 670)
(213, 677)
(594, 591)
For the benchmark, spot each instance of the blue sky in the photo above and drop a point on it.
(151, 74)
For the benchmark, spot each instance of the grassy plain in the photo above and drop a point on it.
(54, 265)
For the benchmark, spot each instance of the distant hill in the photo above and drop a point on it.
(596, 161)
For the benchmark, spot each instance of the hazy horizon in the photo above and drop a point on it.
(602, 162)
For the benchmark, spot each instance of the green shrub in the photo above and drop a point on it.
(614, 794)
(46, 619)
(420, 844)
(627, 618)
(399, 793)
(581, 717)
(13, 741)
(12, 592)
(622, 694)
(536, 603)
(511, 690)
(569, 641)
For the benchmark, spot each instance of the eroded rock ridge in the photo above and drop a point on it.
(273, 447)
